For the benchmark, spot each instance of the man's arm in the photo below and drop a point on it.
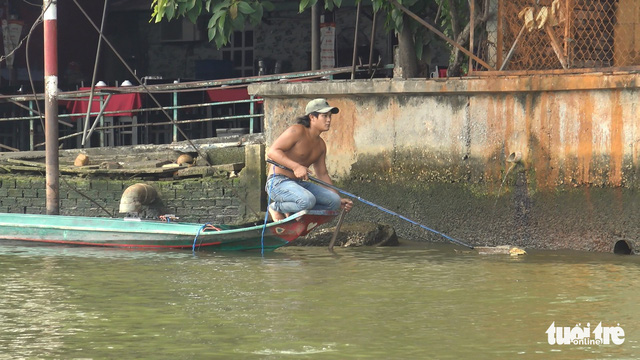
(320, 168)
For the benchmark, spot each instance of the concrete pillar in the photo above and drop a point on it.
(254, 176)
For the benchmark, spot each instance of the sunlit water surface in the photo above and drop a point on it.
(410, 302)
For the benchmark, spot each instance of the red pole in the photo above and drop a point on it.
(51, 105)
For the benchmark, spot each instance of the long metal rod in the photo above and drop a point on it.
(103, 105)
(174, 135)
(93, 77)
(513, 48)
(112, 112)
(373, 38)
(323, 183)
(337, 230)
(355, 43)
(472, 27)
(31, 128)
(236, 117)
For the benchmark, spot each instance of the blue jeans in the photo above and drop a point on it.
(291, 196)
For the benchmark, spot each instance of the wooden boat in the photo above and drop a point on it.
(146, 234)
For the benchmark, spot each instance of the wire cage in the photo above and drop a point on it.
(567, 34)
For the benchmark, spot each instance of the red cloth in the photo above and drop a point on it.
(124, 102)
(224, 94)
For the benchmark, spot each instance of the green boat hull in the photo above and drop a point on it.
(145, 234)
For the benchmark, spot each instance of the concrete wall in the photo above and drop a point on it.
(218, 199)
(436, 150)
(194, 200)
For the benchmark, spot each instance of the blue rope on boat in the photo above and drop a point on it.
(266, 215)
(193, 248)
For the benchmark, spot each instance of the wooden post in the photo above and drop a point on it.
(567, 30)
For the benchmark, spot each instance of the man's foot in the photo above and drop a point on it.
(275, 215)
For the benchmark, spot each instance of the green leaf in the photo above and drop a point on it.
(256, 16)
(245, 8)
(306, 4)
(328, 5)
(377, 5)
(268, 5)
(181, 8)
(221, 5)
(195, 12)
(221, 21)
(303, 5)
(238, 22)
(212, 21)
(396, 16)
(220, 40)
(160, 10)
(170, 11)
(233, 11)
(207, 6)
(211, 33)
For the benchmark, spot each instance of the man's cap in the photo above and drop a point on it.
(320, 106)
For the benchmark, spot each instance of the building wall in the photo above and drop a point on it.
(283, 36)
(437, 150)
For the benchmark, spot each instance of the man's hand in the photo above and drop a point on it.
(301, 172)
(346, 204)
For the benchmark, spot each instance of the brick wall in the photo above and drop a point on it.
(214, 200)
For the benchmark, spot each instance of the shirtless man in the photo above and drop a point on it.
(298, 148)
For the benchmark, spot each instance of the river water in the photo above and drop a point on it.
(416, 301)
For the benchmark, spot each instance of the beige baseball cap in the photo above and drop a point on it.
(320, 106)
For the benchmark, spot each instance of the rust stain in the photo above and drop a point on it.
(508, 115)
(340, 138)
(495, 140)
(543, 153)
(343, 125)
(531, 112)
(617, 139)
(566, 147)
(585, 138)
(553, 133)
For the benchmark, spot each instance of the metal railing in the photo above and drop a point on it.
(105, 128)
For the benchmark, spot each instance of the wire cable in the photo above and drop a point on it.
(266, 215)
